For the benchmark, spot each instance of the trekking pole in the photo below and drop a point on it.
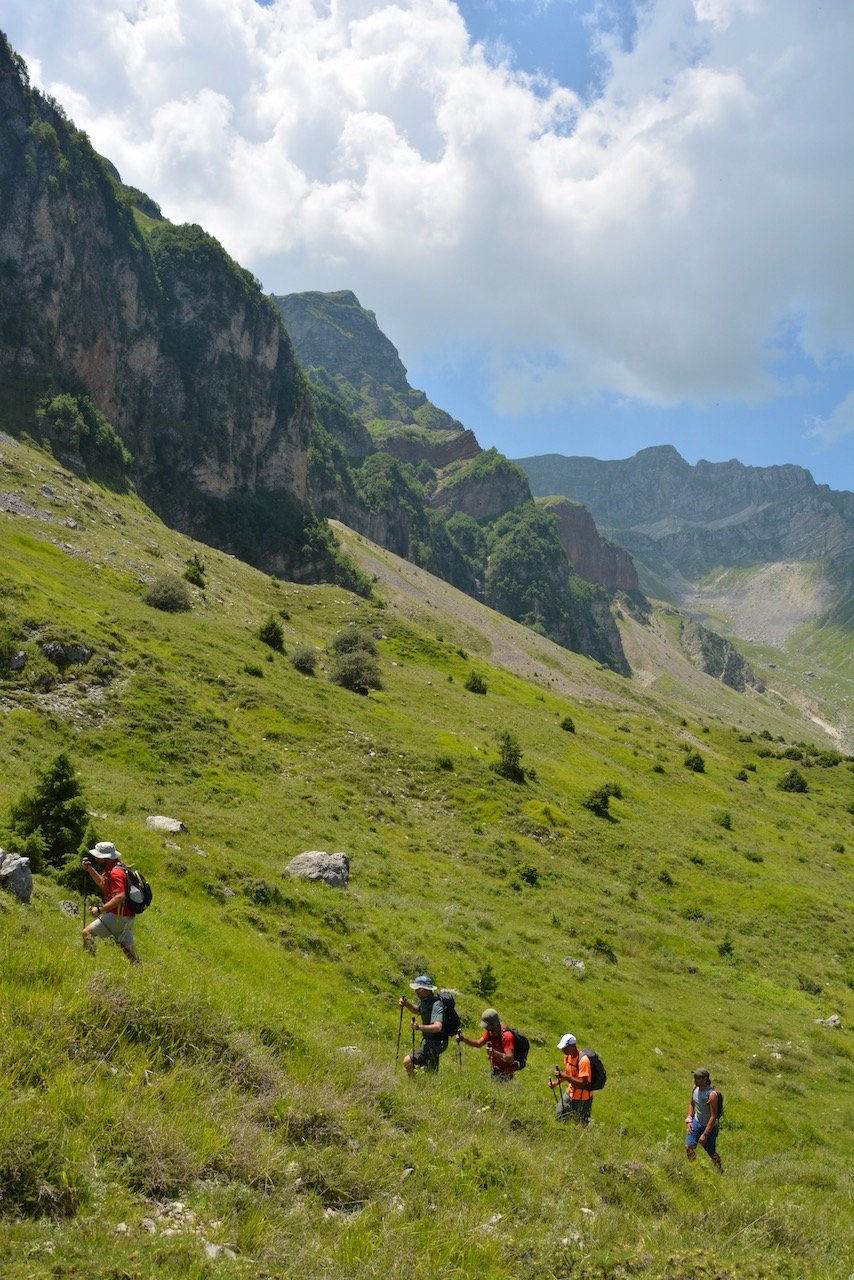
(459, 1051)
(413, 1035)
(399, 1029)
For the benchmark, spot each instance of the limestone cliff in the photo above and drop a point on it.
(173, 342)
(595, 558)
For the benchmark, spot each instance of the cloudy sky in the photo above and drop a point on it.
(588, 226)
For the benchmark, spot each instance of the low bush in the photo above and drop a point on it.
(305, 660)
(352, 640)
(195, 572)
(357, 670)
(169, 594)
(475, 683)
(270, 633)
(568, 724)
(793, 781)
(695, 762)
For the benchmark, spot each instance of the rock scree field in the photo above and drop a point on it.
(232, 1106)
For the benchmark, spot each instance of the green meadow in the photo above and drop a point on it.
(233, 1106)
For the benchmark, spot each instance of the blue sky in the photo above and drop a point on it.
(589, 226)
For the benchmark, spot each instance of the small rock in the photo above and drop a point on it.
(491, 1223)
(149, 1225)
(578, 965)
(658, 1052)
(16, 876)
(121, 1228)
(159, 822)
(833, 1021)
(349, 1048)
(170, 844)
(69, 908)
(332, 868)
(589, 1212)
(396, 1204)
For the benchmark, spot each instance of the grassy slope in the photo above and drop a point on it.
(247, 1069)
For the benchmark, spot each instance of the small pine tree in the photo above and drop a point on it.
(475, 683)
(55, 811)
(695, 762)
(195, 571)
(509, 757)
(271, 633)
(485, 984)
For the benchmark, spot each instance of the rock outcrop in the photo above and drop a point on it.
(332, 868)
(16, 876)
(594, 558)
(718, 657)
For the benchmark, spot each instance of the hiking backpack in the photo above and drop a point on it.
(523, 1048)
(450, 1018)
(139, 890)
(720, 1103)
(598, 1074)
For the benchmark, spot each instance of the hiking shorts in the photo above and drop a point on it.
(115, 926)
(692, 1137)
(426, 1056)
(574, 1109)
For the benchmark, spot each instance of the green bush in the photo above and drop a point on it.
(168, 594)
(352, 640)
(723, 818)
(485, 984)
(195, 572)
(270, 632)
(357, 670)
(305, 660)
(793, 781)
(475, 683)
(568, 724)
(54, 811)
(695, 762)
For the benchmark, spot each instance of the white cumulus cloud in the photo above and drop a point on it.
(653, 241)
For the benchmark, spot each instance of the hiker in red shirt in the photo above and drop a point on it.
(500, 1044)
(114, 919)
(576, 1101)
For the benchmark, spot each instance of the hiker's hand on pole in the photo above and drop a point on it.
(95, 910)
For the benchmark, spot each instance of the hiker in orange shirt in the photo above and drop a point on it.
(577, 1100)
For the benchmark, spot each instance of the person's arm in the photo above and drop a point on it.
(92, 873)
(118, 896)
(474, 1044)
(585, 1074)
(713, 1115)
(504, 1054)
(429, 1028)
(689, 1119)
(407, 1004)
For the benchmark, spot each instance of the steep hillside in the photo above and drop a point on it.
(233, 1106)
(428, 492)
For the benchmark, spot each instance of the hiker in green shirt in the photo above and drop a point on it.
(428, 1019)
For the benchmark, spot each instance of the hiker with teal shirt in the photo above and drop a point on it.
(704, 1112)
(429, 1020)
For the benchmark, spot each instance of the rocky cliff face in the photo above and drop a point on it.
(175, 345)
(593, 557)
(683, 519)
(719, 658)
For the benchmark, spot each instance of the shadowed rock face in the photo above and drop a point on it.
(172, 341)
(593, 557)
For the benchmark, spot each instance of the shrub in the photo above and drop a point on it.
(352, 640)
(169, 594)
(270, 632)
(529, 875)
(252, 669)
(568, 724)
(658, 768)
(723, 818)
(604, 948)
(726, 947)
(475, 683)
(792, 753)
(695, 762)
(305, 660)
(357, 670)
(597, 801)
(741, 776)
(485, 984)
(445, 762)
(666, 879)
(55, 811)
(809, 985)
(793, 781)
(195, 571)
(509, 763)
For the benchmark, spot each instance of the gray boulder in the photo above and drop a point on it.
(16, 876)
(63, 655)
(833, 1021)
(332, 868)
(161, 823)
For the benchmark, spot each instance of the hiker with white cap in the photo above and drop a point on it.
(429, 1019)
(114, 919)
(577, 1100)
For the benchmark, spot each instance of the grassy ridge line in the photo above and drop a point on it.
(246, 1001)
